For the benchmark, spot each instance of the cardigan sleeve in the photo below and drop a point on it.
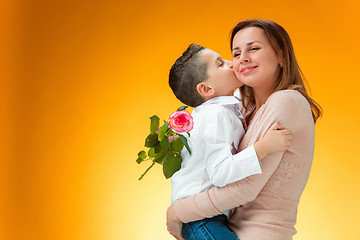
(281, 107)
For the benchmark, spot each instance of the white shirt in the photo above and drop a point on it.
(213, 141)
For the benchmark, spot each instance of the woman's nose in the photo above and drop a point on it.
(244, 58)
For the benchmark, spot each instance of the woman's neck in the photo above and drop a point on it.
(261, 95)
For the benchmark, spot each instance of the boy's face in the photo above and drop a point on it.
(221, 76)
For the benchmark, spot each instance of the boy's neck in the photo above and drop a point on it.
(215, 96)
(207, 98)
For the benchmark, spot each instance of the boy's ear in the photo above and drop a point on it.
(205, 90)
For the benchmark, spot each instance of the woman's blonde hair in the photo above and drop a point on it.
(291, 77)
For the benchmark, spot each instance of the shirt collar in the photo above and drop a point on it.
(222, 100)
(237, 93)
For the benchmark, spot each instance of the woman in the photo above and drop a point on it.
(265, 204)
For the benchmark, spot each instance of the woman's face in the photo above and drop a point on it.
(255, 62)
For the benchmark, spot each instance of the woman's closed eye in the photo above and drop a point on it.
(237, 54)
(252, 49)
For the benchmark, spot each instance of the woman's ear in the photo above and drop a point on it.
(205, 90)
(280, 59)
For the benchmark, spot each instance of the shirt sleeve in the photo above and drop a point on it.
(218, 141)
(283, 109)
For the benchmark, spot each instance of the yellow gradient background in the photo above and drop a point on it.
(81, 79)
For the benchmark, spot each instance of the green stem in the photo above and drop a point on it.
(147, 170)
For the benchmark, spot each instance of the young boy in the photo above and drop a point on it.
(201, 79)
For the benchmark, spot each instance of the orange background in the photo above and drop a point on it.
(82, 78)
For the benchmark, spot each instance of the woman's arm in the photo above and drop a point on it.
(282, 108)
(216, 200)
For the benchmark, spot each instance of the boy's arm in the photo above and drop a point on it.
(222, 165)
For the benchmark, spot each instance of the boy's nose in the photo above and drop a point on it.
(229, 63)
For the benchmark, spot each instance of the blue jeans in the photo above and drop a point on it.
(208, 229)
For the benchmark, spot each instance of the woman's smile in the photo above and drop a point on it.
(247, 70)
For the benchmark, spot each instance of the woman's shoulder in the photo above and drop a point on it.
(289, 104)
(286, 95)
(287, 99)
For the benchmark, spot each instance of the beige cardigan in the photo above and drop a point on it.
(266, 204)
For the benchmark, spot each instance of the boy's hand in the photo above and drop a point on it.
(276, 139)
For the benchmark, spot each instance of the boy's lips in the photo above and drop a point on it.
(247, 70)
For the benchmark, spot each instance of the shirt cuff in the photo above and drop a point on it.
(252, 163)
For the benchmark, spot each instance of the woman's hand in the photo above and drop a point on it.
(174, 225)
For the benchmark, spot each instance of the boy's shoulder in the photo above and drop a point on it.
(213, 114)
(209, 110)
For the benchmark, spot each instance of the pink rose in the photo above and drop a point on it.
(181, 121)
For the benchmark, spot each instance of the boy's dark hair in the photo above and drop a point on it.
(186, 73)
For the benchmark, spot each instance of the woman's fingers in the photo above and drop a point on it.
(176, 232)
(173, 223)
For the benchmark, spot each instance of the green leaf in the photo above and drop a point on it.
(154, 124)
(171, 164)
(182, 108)
(177, 145)
(151, 140)
(152, 153)
(160, 157)
(184, 140)
(163, 130)
(165, 144)
(139, 160)
(157, 147)
(141, 156)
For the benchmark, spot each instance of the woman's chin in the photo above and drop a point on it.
(249, 83)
